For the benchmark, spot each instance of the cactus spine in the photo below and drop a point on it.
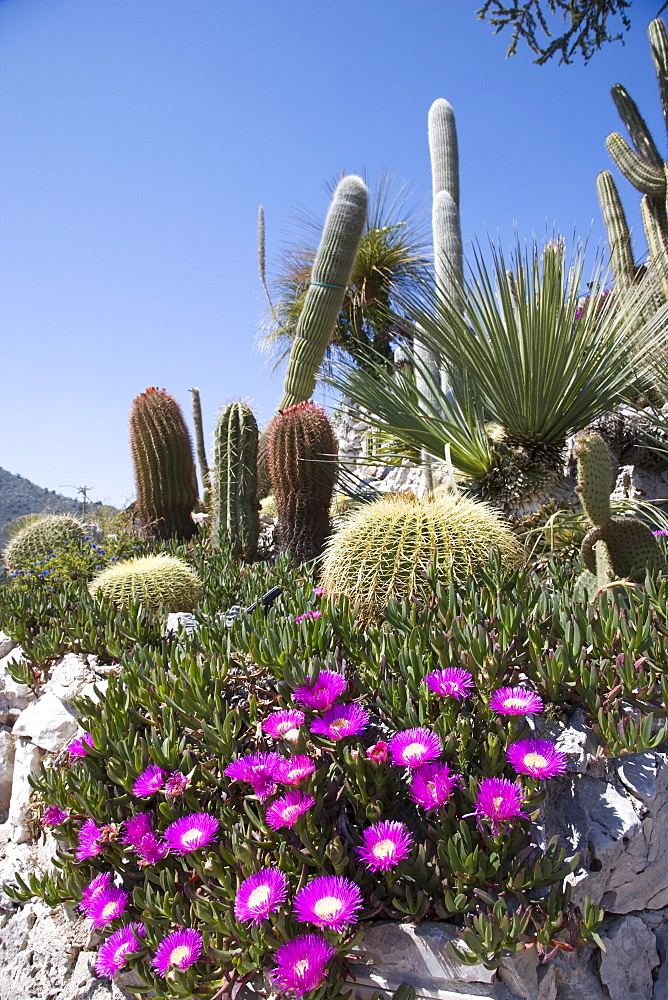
(301, 462)
(39, 538)
(163, 464)
(330, 277)
(235, 505)
(158, 582)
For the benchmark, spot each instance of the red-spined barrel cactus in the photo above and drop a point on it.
(164, 466)
(301, 462)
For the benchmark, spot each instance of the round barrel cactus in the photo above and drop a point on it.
(39, 538)
(157, 581)
(385, 549)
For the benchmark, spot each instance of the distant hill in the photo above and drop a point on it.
(18, 496)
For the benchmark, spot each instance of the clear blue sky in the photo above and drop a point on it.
(140, 136)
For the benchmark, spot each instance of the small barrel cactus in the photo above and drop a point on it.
(236, 521)
(616, 546)
(164, 466)
(39, 538)
(301, 461)
(162, 581)
(384, 549)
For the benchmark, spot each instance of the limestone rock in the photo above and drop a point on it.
(69, 677)
(6, 767)
(519, 971)
(91, 690)
(180, 620)
(627, 963)
(637, 772)
(573, 738)
(7, 644)
(12, 694)
(48, 722)
(27, 757)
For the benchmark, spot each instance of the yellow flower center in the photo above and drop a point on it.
(259, 896)
(291, 734)
(535, 760)
(514, 703)
(190, 837)
(338, 724)
(179, 954)
(414, 750)
(301, 966)
(119, 954)
(328, 907)
(291, 813)
(294, 772)
(497, 802)
(384, 849)
(109, 910)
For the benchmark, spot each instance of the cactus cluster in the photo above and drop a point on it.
(236, 521)
(384, 550)
(158, 582)
(39, 538)
(301, 462)
(164, 467)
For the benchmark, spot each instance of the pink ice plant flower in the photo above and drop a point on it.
(80, 746)
(453, 682)
(260, 894)
(106, 906)
(499, 801)
(378, 753)
(538, 758)
(432, 785)
(384, 845)
(318, 591)
(308, 616)
(88, 844)
(54, 816)
(93, 889)
(414, 747)
(139, 834)
(301, 964)
(287, 809)
(116, 950)
(341, 721)
(191, 832)
(181, 949)
(283, 724)
(149, 782)
(138, 827)
(293, 770)
(328, 901)
(257, 770)
(321, 694)
(515, 701)
(176, 785)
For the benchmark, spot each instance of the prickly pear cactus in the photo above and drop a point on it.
(39, 538)
(236, 521)
(156, 581)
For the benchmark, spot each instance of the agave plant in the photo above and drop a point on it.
(528, 367)
(393, 259)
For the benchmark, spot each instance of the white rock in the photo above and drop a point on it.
(637, 772)
(573, 738)
(48, 722)
(27, 757)
(6, 767)
(519, 971)
(69, 677)
(12, 694)
(90, 690)
(7, 644)
(178, 620)
(627, 963)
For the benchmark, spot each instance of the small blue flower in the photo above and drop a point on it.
(86, 538)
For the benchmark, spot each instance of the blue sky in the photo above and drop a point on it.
(140, 136)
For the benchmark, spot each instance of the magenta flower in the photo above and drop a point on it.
(328, 901)
(88, 845)
(378, 752)
(293, 770)
(539, 758)
(452, 682)
(180, 948)
(321, 694)
(191, 832)
(414, 747)
(140, 836)
(284, 723)
(260, 894)
(515, 701)
(138, 827)
(384, 845)
(308, 616)
(499, 800)
(80, 747)
(432, 785)
(660, 532)
(116, 950)
(257, 769)
(106, 905)
(341, 721)
(286, 810)
(99, 884)
(149, 781)
(301, 963)
(176, 785)
(54, 816)
(319, 591)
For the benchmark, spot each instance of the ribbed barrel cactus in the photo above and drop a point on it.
(164, 466)
(157, 581)
(385, 549)
(39, 538)
(301, 461)
(236, 521)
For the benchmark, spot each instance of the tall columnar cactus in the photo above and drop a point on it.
(642, 165)
(235, 507)
(615, 546)
(164, 467)
(156, 581)
(199, 441)
(301, 461)
(330, 277)
(385, 549)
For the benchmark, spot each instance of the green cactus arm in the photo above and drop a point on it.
(619, 237)
(605, 572)
(658, 41)
(595, 479)
(646, 178)
(235, 504)
(656, 240)
(330, 277)
(637, 127)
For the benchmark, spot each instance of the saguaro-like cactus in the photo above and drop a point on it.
(235, 507)
(301, 461)
(164, 467)
(330, 277)
(199, 441)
